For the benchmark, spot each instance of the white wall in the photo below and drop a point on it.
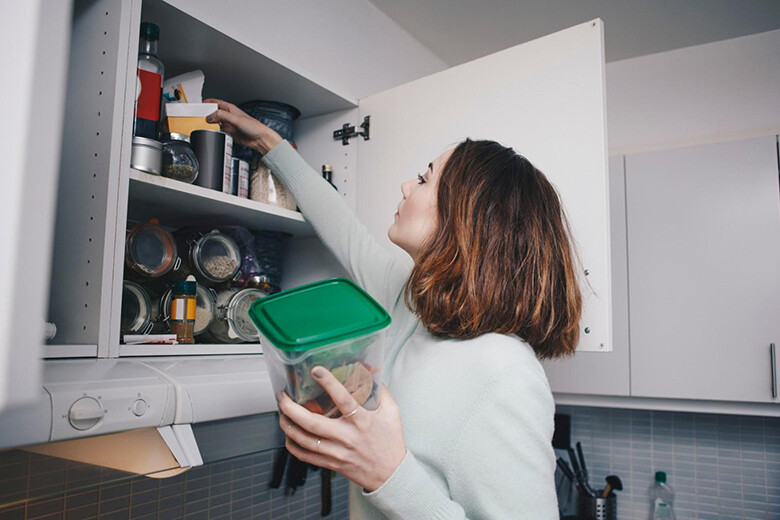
(348, 46)
(707, 93)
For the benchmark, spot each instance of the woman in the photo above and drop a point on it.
(493, 289)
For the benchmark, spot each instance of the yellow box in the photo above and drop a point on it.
(183, 118)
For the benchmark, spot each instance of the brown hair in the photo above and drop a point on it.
(502, 258)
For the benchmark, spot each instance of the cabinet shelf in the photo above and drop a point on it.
(177, 204)
(189, 350)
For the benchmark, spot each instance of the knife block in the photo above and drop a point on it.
(597, 508)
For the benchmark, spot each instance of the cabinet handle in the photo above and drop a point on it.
(773, 357)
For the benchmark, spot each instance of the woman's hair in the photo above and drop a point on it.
(502, 258)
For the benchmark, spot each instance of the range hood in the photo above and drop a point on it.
(151, 416)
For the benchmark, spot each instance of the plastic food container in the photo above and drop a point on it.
(332, 323)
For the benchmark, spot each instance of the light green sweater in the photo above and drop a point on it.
(477, 414)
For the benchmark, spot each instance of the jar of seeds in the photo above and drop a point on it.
(265, 187)
(212, 257)
(179, 161)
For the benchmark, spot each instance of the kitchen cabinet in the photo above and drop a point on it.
(544, 97)
(703, 254)
(604, 373)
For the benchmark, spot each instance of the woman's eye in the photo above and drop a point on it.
(420, 179)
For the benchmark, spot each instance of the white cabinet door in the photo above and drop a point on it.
(545, 99)
(704, 270)
(34, 63)
(604, 373)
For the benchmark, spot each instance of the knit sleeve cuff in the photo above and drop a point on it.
(410, 494)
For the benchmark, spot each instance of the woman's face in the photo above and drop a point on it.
(416, 220)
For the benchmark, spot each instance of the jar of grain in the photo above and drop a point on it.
(231, 323)
(136, 317)
(212, 257)
(265, 187)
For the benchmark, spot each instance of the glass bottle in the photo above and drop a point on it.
(183, 305)
(149, 83)
(179, 161)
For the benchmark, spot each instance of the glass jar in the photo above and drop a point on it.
(150, 250)
(212, 257)
(265, 187)
(232, 323)
(179, 161)
(205, 309)
(137, 315)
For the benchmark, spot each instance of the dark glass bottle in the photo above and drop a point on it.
(149, 83)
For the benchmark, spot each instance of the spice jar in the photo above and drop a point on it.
(265, 187)
(136, 315)
(212, 257)
(179, 161)
(232, 323)
(150, 250)
(205, 309)
(182, 317)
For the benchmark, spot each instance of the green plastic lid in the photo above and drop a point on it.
(317, 314)
(660, 476)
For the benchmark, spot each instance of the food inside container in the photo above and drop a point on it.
(332, 323)
(179, 161)
(185, 118)
(212, 257)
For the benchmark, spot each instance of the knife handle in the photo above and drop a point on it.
(325, 492)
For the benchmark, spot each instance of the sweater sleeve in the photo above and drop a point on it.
(501, 465)
(372, 266)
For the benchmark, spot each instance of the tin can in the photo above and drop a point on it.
(214, 151)
(146, 155)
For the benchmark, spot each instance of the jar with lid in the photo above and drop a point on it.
(265, 187)
(213, 257)
(232, 323)
(178, 160)
(182, 316)
(205, 309)
(150, 250)
(137, 316)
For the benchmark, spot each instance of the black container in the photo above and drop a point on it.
(214, 151)
(275, 115)
(597, 508)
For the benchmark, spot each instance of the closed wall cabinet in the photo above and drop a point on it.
(703, 228)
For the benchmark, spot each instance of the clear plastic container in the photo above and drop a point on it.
(178, 160)
(231, 323)
(265, 187)
(333, 324)
(661, 498)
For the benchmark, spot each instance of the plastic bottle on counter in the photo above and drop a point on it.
(149, 84)
(661, 498)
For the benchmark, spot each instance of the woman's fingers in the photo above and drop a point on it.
(313, 423)
(224, 105)
(340, 395)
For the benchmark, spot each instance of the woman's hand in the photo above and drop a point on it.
(365, 446)
(245, 129)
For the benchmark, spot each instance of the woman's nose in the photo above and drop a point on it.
(406, 188)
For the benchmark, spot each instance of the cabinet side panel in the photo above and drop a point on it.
(86, 203)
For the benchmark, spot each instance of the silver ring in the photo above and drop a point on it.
(289, 427)
(318, 445)
(353, 412)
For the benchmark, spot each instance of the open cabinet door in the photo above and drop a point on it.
(36, 43)
(545, 99)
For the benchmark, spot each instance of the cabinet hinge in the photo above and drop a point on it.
(347, 131)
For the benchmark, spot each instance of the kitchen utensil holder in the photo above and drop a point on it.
(597, 508)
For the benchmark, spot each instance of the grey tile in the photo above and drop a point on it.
(82, 513)
(143, 509)
(81, 499)
(170, 514)
(38, 509)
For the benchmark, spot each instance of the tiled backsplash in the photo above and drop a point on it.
(722, 467)
(236, 489)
